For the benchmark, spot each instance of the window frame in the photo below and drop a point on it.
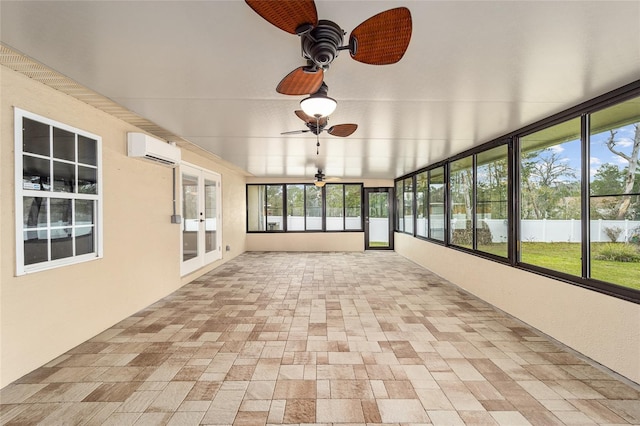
(323, 207)
(20, 193)
(582, 111)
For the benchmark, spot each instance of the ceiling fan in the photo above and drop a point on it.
(321, 180)
(380, 40)
(318, 124)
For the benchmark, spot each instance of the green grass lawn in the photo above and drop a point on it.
(566, 257)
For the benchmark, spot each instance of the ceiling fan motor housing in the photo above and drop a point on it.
(320, 45)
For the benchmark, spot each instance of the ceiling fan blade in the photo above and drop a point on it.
(322, 121)
(286, 14)
(383, 38)
(342, 130)
(294, 132)
(301, 82)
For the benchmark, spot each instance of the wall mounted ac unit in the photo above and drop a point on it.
(146, 147)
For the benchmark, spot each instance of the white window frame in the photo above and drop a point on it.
(20, 192)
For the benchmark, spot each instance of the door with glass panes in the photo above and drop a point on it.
(201, 237)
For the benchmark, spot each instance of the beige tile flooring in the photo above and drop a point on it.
(273, 338)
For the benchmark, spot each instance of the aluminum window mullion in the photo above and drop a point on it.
(585, 200)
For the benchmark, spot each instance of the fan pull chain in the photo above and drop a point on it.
(317, 135)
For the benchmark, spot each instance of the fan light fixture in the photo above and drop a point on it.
(318, 105)
(319, 183)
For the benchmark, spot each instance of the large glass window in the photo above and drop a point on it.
(408, 205)
(436, 204)
(265, 207)
(295, 207)
(550, 194)
(615, 194)
(399, 201)
(313, 208)
(492, 209)
(256, 208)
(461, 190)
(353, 207)
(422, 222)
(335, 207)
(59, 195)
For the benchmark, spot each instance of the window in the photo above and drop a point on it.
(492, 209)
(461, 184)
(550, 198)
(408, 205)
(436, 207)
(353, 207)
(60, 194)
(614, 195)
(422, 223)
(344, 207)
(295, 207)
(334, 207)
(399, 206)
(560, 197)
(265, 207)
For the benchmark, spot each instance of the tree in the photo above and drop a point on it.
(632, 171)
(549, 185)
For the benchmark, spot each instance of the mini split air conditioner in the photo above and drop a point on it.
(149, 148)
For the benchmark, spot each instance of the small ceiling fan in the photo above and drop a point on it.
(318, 124)
(380, 40)
(321, 180)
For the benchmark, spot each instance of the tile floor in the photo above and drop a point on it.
(328, 338)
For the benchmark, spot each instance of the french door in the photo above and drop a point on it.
(201, 236)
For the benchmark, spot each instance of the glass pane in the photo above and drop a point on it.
(64, 145)
(256, 210)
(35, 137)
(399, 206)
(550, 169)
(64, 177)
(87, 151)
(615, 194)
(421, 204)
(61, 243)
(313, 207)
(379, 219)
(84, 240)
(34, 212)
(295, 207)
(85, 212)
(36, 247)
(335, 207)
(461, 182)
(353, 206)
(275, 203)
(191, 219)
(35, 174)
(210, 225)
(61, 212)
(436, 204)
(87, 180)
(408, 205)
(492, 196)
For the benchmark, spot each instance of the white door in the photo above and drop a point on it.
(201, 237)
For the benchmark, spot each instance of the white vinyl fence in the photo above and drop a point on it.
(547, 231)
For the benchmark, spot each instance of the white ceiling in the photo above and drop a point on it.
(207, 71)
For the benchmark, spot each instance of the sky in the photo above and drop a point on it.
(600, 154)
